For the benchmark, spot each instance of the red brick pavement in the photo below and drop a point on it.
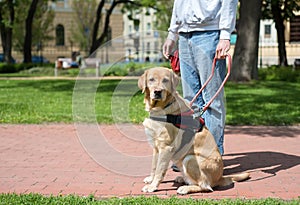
(68, 159)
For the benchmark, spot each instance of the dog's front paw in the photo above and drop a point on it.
(148, 180)
(149, 188)
(183, 190)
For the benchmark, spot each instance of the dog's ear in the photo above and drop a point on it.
(174, 80)
(142, 82)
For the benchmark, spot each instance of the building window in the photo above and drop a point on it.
(148, 28)
(295, 29)
(148, 48)
(148, 12)
(60, 35)
(268, 31)
(156, 47)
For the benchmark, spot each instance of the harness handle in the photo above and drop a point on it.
(207, 81)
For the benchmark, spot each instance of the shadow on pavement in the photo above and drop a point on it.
(267, 162)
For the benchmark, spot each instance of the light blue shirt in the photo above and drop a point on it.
(203, 15)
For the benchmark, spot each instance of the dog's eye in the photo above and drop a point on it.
(151, 79)
(165, 80)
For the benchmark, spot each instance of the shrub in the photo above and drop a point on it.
(131, 68)
(276, 73)
(7, 68)
(14, 68)
(116, 70)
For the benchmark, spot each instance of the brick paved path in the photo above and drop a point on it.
(67, 158)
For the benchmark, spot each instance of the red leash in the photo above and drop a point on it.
(191, 120)
(207, 81)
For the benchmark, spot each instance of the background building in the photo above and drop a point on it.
(268, 46)
(136, 39)
(141, 41)
(63, 45)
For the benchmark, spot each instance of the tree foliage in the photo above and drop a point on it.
(163, 15)
(85, 16)
(288, 8)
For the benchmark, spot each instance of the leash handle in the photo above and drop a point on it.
(207, 81)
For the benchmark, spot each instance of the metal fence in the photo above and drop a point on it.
(268, 54)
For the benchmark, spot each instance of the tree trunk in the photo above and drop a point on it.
(28, 31)
(245, 58)
(7, 31)
(96, 42)
(103, 36)
(276, 11)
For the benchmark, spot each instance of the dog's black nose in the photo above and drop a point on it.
(157, 94)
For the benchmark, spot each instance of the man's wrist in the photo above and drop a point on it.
(172, 36)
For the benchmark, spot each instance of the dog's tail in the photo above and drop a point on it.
(229, 179)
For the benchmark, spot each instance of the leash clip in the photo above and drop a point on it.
(197, 112)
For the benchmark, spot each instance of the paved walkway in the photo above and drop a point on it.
(113, 160)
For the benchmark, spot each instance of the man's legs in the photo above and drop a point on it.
(196, 52)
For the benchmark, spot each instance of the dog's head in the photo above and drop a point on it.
(158, 84)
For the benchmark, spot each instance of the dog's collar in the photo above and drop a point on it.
(169, 104)
(186, 120)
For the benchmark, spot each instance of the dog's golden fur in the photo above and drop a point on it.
(196, 155)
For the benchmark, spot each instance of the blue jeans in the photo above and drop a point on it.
(196, 53)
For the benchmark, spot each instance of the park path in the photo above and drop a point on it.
(68, 159)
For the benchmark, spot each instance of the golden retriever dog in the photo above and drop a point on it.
(193, 151)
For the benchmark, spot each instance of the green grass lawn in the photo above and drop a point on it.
(29, 199)
(115, 101)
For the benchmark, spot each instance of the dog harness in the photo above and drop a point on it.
(189, 120)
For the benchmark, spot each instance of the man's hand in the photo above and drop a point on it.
(168, 48)
(222, 48)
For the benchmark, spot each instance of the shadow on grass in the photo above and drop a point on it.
(68, 85)
(61, 85)
(42, 85)
(263, 103)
